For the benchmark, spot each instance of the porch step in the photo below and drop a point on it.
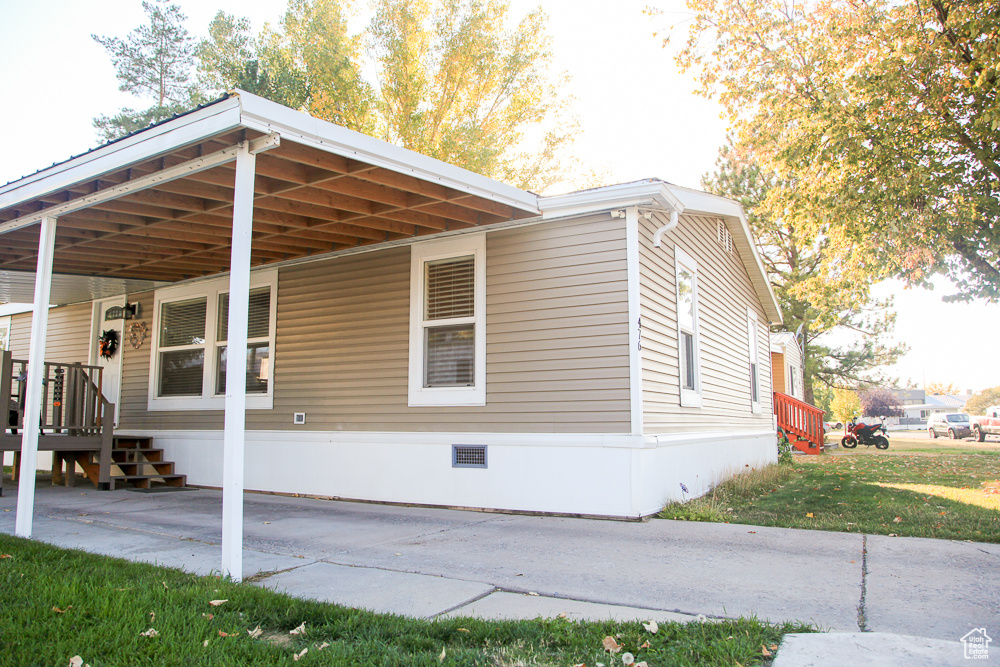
(136, 463)
(805, 446)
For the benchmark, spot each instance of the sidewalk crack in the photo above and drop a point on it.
(862, 613)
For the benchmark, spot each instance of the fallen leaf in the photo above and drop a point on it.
(443, 654)
(897, 520)
(62, 611)
(645, 644)
(165, 587)
(267, 522)
(611, 645)
(893, 535)
(561, 614)
(76, 661)
(208, 616)
(651, 627)
(641, 664)
(300, 654)
(752, 532)
(773, 647)
(322, 646)
(149, 633)
(533, 593)
(216, 603)
(2, 556)
(205, 643)
(301, 630)
(810, 515)
(152, 616)
(463, 630)
(256, 632)
(224, 634)
(764, 652)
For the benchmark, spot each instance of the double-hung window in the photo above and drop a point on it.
(447, 322)
(753, 340)
(686, 273)
(189, 350)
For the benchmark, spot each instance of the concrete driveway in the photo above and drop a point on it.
(430, 562)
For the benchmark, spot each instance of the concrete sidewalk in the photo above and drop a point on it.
(433, 562)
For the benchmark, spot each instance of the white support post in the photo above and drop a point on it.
(33, 392)
(236, 367)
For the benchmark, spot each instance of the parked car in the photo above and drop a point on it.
(986, 425)
(955, 424)
(831, 426)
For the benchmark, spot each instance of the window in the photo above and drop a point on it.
(753, 339)
(687, 328)
(792, 373)
(189, 351)
(447, 322)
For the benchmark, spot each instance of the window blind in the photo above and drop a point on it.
(450, 288)
(181, 372)
(183, 323)
(259, 315)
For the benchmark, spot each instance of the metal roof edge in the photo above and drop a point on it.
(267, 116)
(638, 193)
(188, 128)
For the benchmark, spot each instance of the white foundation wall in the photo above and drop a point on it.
(698, 461)
(599, 475)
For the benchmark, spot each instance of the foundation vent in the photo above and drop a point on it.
(468, 456)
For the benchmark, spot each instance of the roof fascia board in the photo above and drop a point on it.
(267, 116)
(654, 193)
(698, 202)
(190, 128)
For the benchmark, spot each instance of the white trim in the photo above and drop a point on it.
(641, 193)
(5, 329)
(753, 340)
(34, 391)
(96, 323)
(421, 253)
(689, 398)
(210, 289)
(634, 318)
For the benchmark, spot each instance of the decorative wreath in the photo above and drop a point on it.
(109, 343)
(136, 334)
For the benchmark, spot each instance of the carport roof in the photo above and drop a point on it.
(156, 206)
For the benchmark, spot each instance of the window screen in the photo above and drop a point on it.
(260, 313)
(183, 323)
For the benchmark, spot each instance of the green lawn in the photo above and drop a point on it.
(58, 604)
(914, 490)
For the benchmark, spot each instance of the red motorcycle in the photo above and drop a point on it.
(865, 434)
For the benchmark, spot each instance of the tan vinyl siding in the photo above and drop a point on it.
(557, 343)
(67, 339)
(724, 293)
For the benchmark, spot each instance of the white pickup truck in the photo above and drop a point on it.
(986, 425)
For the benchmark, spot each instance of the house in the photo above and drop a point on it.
(414, 333)
(787, 368)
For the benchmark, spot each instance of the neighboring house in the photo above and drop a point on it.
(786, 365)
(416, 333)
(917, 406)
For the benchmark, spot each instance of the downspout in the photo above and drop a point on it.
(658, 236)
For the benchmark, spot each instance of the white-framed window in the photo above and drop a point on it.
(753, 339)
(686, 271)
(188, 352)
(448, 321)
(792, 374)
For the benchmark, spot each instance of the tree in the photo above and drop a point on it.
(449, 79)
(816, 295)
(980, 401)
(880, 402)
(845, 404)
(940, 389)
(154, 61)
(883, 113)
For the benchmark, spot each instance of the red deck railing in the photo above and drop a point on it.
(800, 421)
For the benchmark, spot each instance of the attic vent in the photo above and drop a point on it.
(468, 456)
(724, 237)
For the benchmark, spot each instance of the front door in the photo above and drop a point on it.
(112, 375)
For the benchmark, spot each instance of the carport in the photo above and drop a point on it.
(236, 184)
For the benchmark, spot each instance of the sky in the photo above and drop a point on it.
(639, 117)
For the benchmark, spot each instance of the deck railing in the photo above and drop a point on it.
(75, 417)
(799, 418)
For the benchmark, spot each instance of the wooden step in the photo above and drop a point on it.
(805, 446)
(131, 455)
(145, 481)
